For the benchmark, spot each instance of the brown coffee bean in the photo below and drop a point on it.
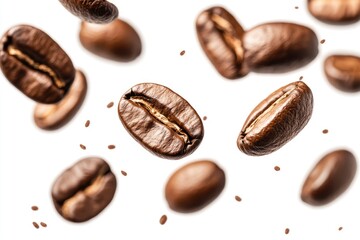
(82, 191)
(287, 230)
(182, 52)
(343, 72)
(36, 225)
(194, 186)
(34, 208)
(95, 11)
(220, 36)
(163, 219)
(117, 40)
(277, 168)
(43, 224)
(237, 198)
(279, 47)
(35, 64)
(335, 11)
(160, 120)
(330, 177)
(55, 116)
(110, 105)
(87, 123)
(276, 120)
(83, 147)
(124, 173)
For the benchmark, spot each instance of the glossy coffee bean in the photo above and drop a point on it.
(35, 64)
(343, 72)
(330, 177)
(160, 120)
(220, 36)
(94, 11)
(279, 47)
(276, 120)
(54, 116)
(116, 40)
(194, 186)
(335, 11)
(82, 191)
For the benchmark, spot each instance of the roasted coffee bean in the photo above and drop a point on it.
(276, 120)
(35, 64)
(94, 11)
(335, 11)
(279, 47)
(220, 36)
(194, 186)
(117, 40)
(54, 116)
(343, 72)
(82, 191)
(161, 120)
(330, 177)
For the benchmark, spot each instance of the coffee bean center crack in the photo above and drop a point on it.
(160, 117)
(38, 66)
(229, 36)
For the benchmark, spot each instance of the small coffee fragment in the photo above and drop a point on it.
(111, 146)
(87, 124)
(325, 131)
(301, 78)
(110, 104)
(124, 173)
(322, 41)
(83, 147)
(287, 231)
(340, 228)
(204, 118)
(182, 52)
(43, 224)
(34, 208)
(296, 7)
(277, 168)
(163, 219)
(237, 198)
(35, 225)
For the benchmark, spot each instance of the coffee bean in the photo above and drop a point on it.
(83, 147)
(325, 131)
(279, 47)
(117, 40)
(335, 11)
(182, 52)
(340, 228)
(55, 116)
(124, 173)
(220, 36)
(35, 64)
(111, 146)
(35, 225)
(95, 11)
(110, 105)
(277, 168)
(43, 224)
(194, 186)
(276, 120)
(287, 231)
(160, 120)
(163, 219)
(34, 208)
(322, 41)
(330, 177)
(343, 72)
(82, 191)
(237, 198)
(87, 123)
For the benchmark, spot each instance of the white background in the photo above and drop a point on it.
(31, 159)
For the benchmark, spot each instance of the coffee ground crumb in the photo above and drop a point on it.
(322, 41)
(43, 224)
(287, 231)
(325, 131)
(34, 208)
(182, 52)
(204, 118)
(110, 104)
(296, 7)
(111, 146)
(301, 77)
(36, 225)
(277, 168)
(340, 228)
(82, 147)
(124, 173)
(87, 124)
(163, 219)
(237, 198)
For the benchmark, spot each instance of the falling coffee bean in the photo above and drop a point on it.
(163, 219)
(95, 11)
(35, 64)
(36, 225)
(160, 120)
(343, 72)
(276, 120)
(194, 186)
(220, 36)
(82, 191)
(279, 47)
(330, 177)
(54, 116)
(117, 40)
(335, 11)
